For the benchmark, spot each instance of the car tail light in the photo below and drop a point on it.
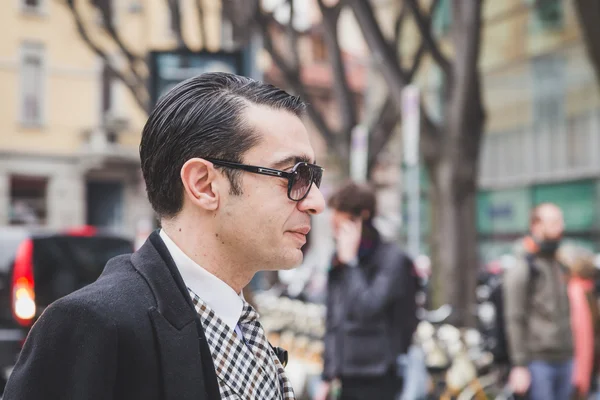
(83, 231)
(23, 294)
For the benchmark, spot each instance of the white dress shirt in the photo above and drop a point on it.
(219, 296)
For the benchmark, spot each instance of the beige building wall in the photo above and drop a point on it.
(60, 148)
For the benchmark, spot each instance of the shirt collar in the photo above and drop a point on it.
(218, 295)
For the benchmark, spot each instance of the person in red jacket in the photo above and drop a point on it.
(584, 315)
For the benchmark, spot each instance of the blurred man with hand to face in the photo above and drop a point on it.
(537, 312)
(371, 311)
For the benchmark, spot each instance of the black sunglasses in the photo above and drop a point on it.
(300, 178)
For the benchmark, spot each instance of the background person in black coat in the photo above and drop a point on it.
(226, 161)
(371, 307)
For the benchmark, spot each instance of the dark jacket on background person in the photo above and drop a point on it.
(371, 312)
(133, 334)
(537, 311)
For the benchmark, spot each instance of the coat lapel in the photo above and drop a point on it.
(187, 367)
(181, 365)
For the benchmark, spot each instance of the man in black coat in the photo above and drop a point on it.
(371, 307)
(230, 171)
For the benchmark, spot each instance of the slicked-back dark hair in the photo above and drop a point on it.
(202, 117)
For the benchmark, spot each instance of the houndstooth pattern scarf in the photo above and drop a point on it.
(255, 338)
(243, 371)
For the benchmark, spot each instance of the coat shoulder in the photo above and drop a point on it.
(117, 294)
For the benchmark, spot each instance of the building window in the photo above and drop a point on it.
(105, 204)
(505, 157)
(546, 14)
(442, 20)
(32, 6)
(227, 35)
(580, 142)
(28, 200)
(549, 88)
(32, 85)
(111, 92)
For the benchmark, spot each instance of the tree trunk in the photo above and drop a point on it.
(454, 171)
(454, 175)
(588, 12)
(454, 236)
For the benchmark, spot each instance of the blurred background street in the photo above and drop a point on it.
(463, 114)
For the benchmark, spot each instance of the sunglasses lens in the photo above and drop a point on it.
(317, 175)
(302, 182)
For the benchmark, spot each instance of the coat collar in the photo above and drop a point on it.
(176, 326)
(156, 265)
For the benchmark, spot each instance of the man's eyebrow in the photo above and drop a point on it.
(291, 161)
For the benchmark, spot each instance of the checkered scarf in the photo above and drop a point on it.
(256, 339)
(245, 370)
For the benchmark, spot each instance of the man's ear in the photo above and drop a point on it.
(200, 183)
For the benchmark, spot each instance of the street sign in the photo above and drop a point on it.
(411, 115)
(359, 154)
(411, 124)
(169, 68)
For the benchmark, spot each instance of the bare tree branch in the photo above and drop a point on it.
(422, 49)
(337, 8)
(292, 35)
(467, 85)
(382, 130)
(424, 24)
(343, 94)
(292, 77)
(341, 88)
(108, 20)
(418, 57)
(388, 117)
(381, 50)
(138, 92)
(201, 22)
(398, 28)
(385, 56)
(176, 22)
(241, 14)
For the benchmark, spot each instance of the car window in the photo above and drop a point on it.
(10, 239)
(63, 264)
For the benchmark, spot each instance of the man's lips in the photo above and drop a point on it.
(303, 230)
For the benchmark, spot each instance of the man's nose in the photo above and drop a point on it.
(314, 203)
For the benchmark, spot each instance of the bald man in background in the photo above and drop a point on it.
(537, 312)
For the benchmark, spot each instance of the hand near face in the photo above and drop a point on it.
(348, 237)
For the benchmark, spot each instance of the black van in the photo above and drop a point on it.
(37, 268)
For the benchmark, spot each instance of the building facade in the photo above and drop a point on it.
(69, 128)
(543, 122)
(543, 129)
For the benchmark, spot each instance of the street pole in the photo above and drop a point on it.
(410, 139)
(359, 154)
